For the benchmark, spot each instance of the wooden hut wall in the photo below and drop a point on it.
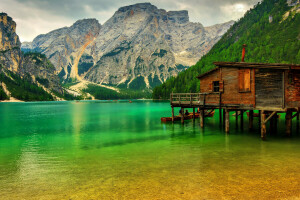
(292, 88)
(232, 93)
(234, 90)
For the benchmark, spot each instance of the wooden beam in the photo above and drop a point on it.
(202, 118)
(172, 114)
(242, 119)
(273, 113)
(193, 114)
(259, 119)
(263, 131)
(288, 123)
(182, 115)
(227, 121)
(251, 120)
(220, 108)
(236, 119)
(296, 115)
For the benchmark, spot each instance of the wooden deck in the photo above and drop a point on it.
(213, 100)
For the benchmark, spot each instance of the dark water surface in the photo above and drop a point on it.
(121, 150)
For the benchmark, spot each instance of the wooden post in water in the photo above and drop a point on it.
(202, 118)
(236, 119)
(288, 123)
(251, 120)
(298, 122)
(226, 121)
(172, 114)
(273, 124)
(263, 130)
(242, 119)
(259, 119)
(224, 118)
(182, 115)
(193, 114)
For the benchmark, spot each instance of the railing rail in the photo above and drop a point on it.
(193, 98)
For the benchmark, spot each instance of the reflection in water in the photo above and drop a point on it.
(110, 150)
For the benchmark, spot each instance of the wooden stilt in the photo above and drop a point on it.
(182, 115)
(202, 118)
(220, 115)
(250, 120)
(193, 114)
(242, 119)
(224, 113)
(263, 125)
(298, 116)
(226, 121)
(236, 119)
(273, 124)
(288, 123)
(172, 114)
(259, 119)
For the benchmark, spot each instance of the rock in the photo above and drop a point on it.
(34, 66)
(139, 43)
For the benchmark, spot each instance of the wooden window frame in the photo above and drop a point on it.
(221, 86)
(244, 80)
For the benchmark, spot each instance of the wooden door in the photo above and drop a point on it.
(269, 90)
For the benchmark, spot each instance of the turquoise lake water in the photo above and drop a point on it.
(121, 150)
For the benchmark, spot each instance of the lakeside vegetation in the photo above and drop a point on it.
(277, 41)
(22, 88)
(103, 93)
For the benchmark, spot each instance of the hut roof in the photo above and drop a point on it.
(276, 66)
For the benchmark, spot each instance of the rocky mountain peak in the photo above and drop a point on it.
(142, 7)
(139, 45)
(86, 23)
(10, 54)
(8, 37)
(180, 17)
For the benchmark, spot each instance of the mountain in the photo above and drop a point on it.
(28, 76)
(139, 47)
(271, 31)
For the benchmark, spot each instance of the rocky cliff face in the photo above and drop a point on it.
(33, 66)
(10, 53)
(138, 43)
(65, 47)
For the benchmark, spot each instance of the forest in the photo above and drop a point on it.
(270, 38)
(22, 88)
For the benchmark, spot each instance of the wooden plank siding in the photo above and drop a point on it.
(292, 88)
(269, 88)
(231, 94)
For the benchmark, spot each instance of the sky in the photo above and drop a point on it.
(34, 17)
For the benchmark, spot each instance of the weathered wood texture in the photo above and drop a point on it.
(269, 88)
(231, 92)
(292, 88)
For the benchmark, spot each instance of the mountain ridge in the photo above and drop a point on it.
(139, 42)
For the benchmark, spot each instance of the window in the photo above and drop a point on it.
(216, 85)
(244, 80)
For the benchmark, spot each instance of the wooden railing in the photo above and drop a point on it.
(200, 99)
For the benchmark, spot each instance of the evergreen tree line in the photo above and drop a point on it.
(104, 93)
(22, 87)
(267, 42)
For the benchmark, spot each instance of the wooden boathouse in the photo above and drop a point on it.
(240, 87)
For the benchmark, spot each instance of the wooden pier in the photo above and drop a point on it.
(239, 87)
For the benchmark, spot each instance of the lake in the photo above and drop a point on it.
(120, 150)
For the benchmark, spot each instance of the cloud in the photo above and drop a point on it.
(35, 17)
